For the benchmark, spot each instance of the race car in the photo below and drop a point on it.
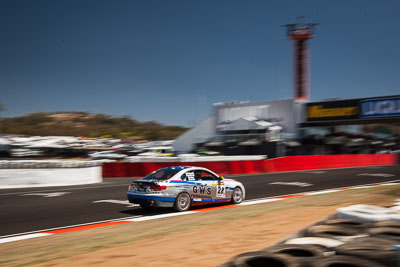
(184, 187)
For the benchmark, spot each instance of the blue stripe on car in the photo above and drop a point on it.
(184, 182)
(212, 200)
(160, 198)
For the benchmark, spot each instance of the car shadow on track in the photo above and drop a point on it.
(137, 211)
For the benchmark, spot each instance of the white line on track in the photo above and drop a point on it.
(53, 194)
(376, 174)
(292, 183)
(22, 237)
(319, 192)
(154, 217)
(115, 201)
(71, 226)
(259, 201)
(325, 192)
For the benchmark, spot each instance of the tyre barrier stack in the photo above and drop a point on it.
(357, 241)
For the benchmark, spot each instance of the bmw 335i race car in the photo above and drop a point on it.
(183, 187)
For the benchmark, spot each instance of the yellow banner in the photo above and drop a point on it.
(318, 111)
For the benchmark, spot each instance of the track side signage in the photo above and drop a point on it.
(382, 107)
(332, 110)
(276, 112)
(354, 109)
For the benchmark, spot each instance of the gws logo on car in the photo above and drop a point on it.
(201, 190)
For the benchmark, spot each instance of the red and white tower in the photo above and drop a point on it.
(300, 33)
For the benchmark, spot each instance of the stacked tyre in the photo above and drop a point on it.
(333, 243)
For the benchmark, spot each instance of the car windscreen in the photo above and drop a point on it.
(162, 174)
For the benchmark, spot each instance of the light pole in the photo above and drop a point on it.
(300, 33)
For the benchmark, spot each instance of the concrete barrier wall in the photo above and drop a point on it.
(18, 178)
(292, 163)
(50, 164)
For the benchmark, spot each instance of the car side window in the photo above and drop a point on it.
(188, 176)
(184, 177)
(207, 176)
(197, 175)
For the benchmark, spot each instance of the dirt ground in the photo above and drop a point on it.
(208, 238)
(205, 246)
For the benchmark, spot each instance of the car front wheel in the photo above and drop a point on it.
(237, 196)
(182, 202)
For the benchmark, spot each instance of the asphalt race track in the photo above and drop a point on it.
(35, 209)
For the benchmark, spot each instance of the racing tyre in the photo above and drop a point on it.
(331, 231)
(386, 224)
(378, 252)
(298, 251)
(182, 202)
(346, 223)
(263, 258)
(237, 196)
(392, 233)
(374, 240)
(347, 261)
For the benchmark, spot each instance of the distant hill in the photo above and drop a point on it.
(89, 125)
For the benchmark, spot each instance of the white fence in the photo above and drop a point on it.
(48, 164)
(44, 173)
(19, 178)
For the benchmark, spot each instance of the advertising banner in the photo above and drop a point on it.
(332, 110)
(381, 107)
(276, 112)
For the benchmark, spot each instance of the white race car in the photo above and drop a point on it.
(183, 187)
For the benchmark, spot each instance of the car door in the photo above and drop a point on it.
(201, 189)
(219, 189)
(215, 184)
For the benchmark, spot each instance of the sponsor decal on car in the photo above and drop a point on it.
(201, 190)
(221, 191)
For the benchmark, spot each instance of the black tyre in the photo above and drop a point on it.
(237, 196)
(392, 233)
(182, 202)
(263, 258)
(375, 240)
(387, 224)
(331, 231)
(383, 253)
(346, 223)
(298, 251)
(345, 261)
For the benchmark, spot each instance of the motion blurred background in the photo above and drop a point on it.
(203, 77)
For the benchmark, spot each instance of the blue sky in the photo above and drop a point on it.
(170, 60)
